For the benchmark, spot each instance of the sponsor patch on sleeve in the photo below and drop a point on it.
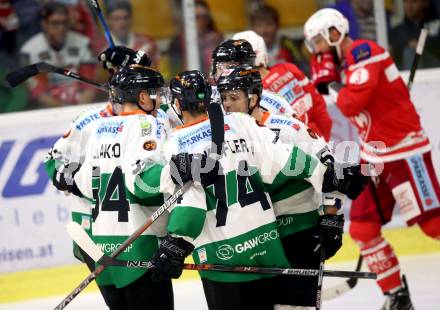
(150, 145)
(361, 52)
(202, 255)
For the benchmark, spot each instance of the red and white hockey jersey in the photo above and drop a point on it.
(378, 103)
(289, 81)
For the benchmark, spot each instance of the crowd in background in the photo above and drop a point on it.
(65, 33)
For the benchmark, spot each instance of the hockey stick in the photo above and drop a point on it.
(83, 240)
(419, 51)
(93, 275)
(19, 76)
(339, 289)
(321, 274)
(107, 33)
(217, 130)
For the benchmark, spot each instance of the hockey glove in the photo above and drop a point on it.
(63, 179)
(197, 167)
(329, 233)
(344, 178)
(121, 56)
(324, 70)
(169, 258)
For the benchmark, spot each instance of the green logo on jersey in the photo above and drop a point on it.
(225, 252)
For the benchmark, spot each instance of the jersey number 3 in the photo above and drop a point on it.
(109, 193)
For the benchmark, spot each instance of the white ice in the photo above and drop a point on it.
(423, 274)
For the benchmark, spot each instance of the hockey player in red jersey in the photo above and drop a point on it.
(288, 81)
(374, 97)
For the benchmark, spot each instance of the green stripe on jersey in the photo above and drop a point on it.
(50, 167)
(143, 248)
(148, 183)
(291, 188)
(290, 224)
(191, 226)
(258, 247)
(300, 166)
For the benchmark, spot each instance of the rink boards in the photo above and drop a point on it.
(35, 251)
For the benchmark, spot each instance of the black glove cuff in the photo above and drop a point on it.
(332, 222)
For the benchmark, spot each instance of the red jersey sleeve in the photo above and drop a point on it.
(359, 89)
(362, 75)
(318, 118)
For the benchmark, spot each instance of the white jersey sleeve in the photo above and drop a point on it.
(292, 131)
(275, 103)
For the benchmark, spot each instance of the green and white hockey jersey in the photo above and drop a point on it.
(116, 149)
(296, 205)
(70, 149)
(232, 222)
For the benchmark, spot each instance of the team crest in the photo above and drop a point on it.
(150, 145)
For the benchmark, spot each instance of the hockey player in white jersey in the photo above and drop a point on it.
(296, 205)
(115, 148)
(67, 154)
(228, 219)
(239, 52)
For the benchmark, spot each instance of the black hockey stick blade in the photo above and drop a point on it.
(353, 281)
(21, 75)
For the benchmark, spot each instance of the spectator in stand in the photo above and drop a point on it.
(265, 21)
(360, 17)
(81, 20)
(208, 35)
(61, 47)
(12, 99)
(403, 38)
(119, 18)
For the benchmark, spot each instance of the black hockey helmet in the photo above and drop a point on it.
(129, 81)
(245, 78)
(239, 51)
(191, 89)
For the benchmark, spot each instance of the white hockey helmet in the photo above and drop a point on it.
(258, 45)
(320, 23)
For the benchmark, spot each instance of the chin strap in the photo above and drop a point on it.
(251, 110)
(148, 112)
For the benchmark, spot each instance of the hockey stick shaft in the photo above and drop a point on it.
(419, 51)
(124, 245)
(83, 240)
(107, 33)
(320, 274)
(21, 75)
(107, 261)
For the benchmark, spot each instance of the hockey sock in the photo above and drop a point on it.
(381, 259)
